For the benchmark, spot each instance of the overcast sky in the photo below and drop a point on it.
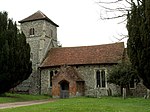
(79, 20)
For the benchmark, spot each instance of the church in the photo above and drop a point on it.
(64, 72)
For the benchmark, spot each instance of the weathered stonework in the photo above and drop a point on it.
(40, 81)
(87, 73)
(44, 38)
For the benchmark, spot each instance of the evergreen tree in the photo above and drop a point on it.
(123, 75)
(15, 61)
(138, 45)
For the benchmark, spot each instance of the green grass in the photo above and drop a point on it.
(7, 98)
(83, 104)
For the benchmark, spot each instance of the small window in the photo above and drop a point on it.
(31, 32)
(51, 76)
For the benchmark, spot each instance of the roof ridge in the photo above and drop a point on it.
(90, 45)
(39, 15)
(42, 14)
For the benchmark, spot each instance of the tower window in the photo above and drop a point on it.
(31, 32)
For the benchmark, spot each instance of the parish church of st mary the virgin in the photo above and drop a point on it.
(64, 72)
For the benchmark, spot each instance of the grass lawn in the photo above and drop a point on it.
(7, 98)
(83, 104)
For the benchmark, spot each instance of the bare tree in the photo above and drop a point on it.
(115, 9)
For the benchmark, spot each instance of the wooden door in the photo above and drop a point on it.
(64, 89)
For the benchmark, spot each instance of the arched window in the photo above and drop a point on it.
(100, 78)
(51, 76)
(103, 78)
(98, 83)
(31, 32)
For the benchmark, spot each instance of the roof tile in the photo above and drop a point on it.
(98, 54)
(38, 16)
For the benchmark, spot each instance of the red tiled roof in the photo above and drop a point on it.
(99, 54)
(38, 16)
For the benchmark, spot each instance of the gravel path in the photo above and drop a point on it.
(27, 103)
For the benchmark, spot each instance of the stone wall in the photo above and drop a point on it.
(45, 81)
(87, 73)
(48, 28)
(40, 43)
(31, 85)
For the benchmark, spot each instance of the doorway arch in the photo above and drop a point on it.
(64, 89)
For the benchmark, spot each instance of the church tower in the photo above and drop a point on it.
(41, 34)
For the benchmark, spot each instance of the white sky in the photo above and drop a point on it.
(79, 20)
